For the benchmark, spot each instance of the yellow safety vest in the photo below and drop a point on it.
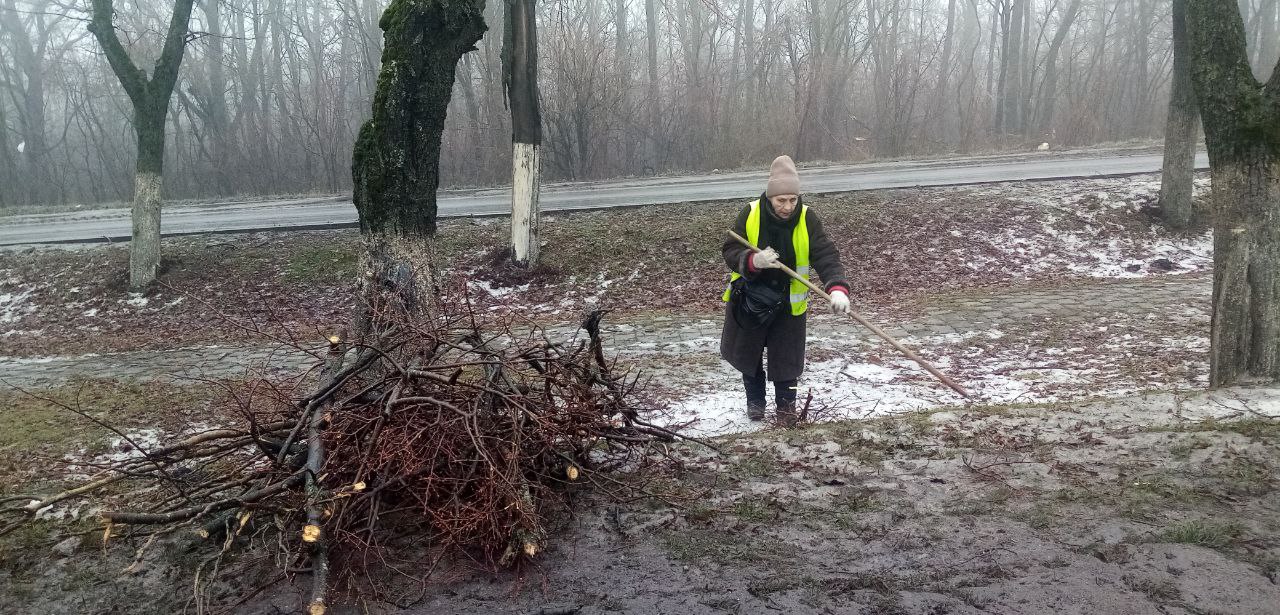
(799, 296)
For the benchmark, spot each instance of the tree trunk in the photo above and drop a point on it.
(520, 80)
(525, 189)
(1180, 131)
(655, 104)
(1242, 131)
(218, 130)
(1002, 83)
(144, 248)
(1049, 95)
(622, 58)
(748, 60)
(150, 98)
(8, 172)
(941, 99)
(1012, 93)
(396, 163)
(1142, 102)
(1026, 60)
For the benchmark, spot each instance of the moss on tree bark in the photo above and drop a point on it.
(396, 163)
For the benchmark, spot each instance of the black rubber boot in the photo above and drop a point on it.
(787, 416)
(755, 386)
(784, 393)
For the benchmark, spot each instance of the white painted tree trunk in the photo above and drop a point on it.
(525, 188)
(144, 249)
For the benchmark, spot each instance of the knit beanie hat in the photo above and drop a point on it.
(783, 178)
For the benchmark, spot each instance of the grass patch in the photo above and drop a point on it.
(701, 512)
(1211, 534)
(36, 428)
(1246, 477)
(918, 423)
(725, 547)
(1181, 450)
(39, 419)
(760, 464)
(846, 510)
(321, 264)
(755, 509)
(1254, 427)
(999, 495)
(1156, 590)
(1039, 517)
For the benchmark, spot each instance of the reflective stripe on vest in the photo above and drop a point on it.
(799, 293)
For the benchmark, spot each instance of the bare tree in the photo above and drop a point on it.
(1049, 89)
(150, 98)
(27, 85)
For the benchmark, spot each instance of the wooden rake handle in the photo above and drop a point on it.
(862, 321)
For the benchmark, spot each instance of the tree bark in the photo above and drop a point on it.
(655, 104)
(396, 163)
(520, 83)
(150, 98)
(1050, 93)
(1012, 78)
(219, 129)
(622, 58)
(941, 98)
(1180, 131)
(1241, 120)
(1004, 12)
(8, 171)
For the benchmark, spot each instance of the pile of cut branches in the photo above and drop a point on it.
(471, 436)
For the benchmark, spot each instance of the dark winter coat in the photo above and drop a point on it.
(785, 336)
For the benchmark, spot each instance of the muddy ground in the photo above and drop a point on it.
(1158, 503)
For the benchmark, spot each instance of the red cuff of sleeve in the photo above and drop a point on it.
(839, 288)
(751, 266)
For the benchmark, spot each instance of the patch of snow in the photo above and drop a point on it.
(851, 387)
(1072, 223)
(13, 305)
(494, 292)
(146, 438)
(13, 332)
(28, 360)
(135, 300)
(90, 313)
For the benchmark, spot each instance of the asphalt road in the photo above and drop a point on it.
(114, 225)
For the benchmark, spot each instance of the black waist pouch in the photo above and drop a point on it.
(755, 304)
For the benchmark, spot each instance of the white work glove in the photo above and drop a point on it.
(766, 259)
(839, 302)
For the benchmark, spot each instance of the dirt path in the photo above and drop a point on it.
(1184, 297)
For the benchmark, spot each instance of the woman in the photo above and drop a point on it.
(765, 308)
